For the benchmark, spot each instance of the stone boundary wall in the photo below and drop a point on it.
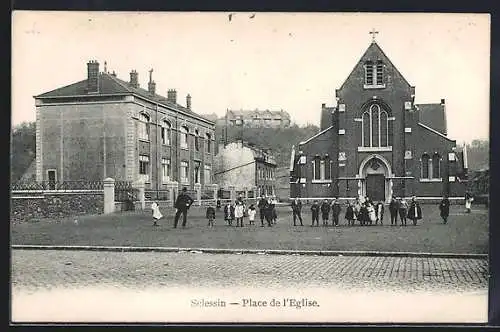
(27, 205)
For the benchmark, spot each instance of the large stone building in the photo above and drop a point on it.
(256, 118)
(246, 168)
(104, 127)
(377, 142)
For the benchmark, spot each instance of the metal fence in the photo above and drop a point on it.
(125, 192)
(207, 194)
(223, 194)
(56, 185)
(157, 195)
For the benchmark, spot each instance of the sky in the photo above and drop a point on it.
(289, 61)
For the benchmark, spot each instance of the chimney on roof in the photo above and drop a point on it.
(172, 96)
(188, 101)
(113, 74)
(93, 76)
(323, 106)
(134, 79)
(442, 101)
(151, 84)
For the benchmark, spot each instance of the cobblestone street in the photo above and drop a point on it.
(131, 282)
(34, 269)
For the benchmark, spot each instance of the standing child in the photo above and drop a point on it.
(211, 216)
(325, 211)
(238, 213)
(349, 214)
(315, 213)
(403, 210)
(380, 213)
(251, 214)
(229, 213)
(156, 213)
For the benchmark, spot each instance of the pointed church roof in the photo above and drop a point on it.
(374, 48)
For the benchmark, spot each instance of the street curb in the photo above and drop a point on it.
(251, 251)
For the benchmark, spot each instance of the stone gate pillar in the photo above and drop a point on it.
(172, 192)
(140, 186)
(109, 195)
(197, 189)
(215, 188)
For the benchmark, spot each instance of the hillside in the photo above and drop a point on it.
(278, 140)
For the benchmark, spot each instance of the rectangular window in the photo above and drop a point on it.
(166, 133)
(302, 160)
(209, 143)
(196, 142)
(196, 172)
(369, 73)
(184, 172)
(208, 174)
(166, 169)
(144, 168)
(380, 73)
(143, 131)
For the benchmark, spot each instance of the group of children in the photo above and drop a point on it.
(367, 213)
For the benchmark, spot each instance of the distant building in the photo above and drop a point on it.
(256, 119)
(246, 168)
(104, 127)
(377, 142)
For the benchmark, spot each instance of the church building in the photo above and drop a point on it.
(377, 142)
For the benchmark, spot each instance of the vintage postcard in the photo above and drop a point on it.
(249, 167)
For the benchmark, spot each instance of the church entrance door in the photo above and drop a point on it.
(375, 187)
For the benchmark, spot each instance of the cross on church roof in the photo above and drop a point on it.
(373, 33)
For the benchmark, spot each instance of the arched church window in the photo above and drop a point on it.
(328, 168)
(384, 129)
(424, 166)
(375, 127)
(436, 166)
(317, 168)
(365, 135)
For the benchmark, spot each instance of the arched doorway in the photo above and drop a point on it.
(375, 178)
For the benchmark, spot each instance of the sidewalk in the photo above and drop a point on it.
(250, 251)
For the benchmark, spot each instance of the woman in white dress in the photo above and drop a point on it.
(371, 213)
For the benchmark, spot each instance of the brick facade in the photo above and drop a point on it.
(373, 142)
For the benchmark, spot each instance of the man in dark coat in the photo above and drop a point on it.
(393, 209)
(363, 214)
(182, 205)
(315, 213)
(444, 209)
(325, 211)
(336, 209)
(268, 212)
(262, 210)
(414, 212)
(297, 210)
